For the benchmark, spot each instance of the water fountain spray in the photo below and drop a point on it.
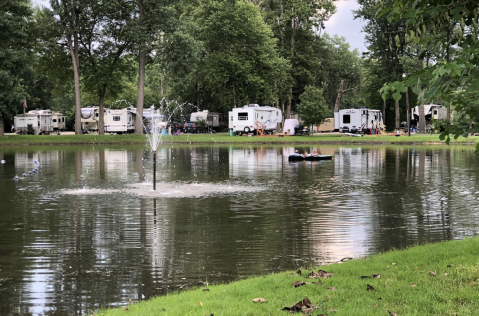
(156, 123)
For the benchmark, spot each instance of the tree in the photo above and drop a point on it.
(151, 19)
(386, 44)
(14, 53)
(313, 107)
(241, 62)
(340, 67)
(103, 46)
(443, 23)
(70, 15)
(295, 24)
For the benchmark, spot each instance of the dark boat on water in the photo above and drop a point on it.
(298, 157)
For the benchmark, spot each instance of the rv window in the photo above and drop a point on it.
(346, 119)
(215, 118)
(63, 119)
(435, 112)
(116, 118)
(96, 114)
(243, 116)
(54, 120)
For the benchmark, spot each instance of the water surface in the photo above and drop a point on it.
(75, 237)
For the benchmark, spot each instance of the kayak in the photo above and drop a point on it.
(309, 158)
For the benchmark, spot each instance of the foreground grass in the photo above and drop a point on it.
(406, 287)
(16, 140)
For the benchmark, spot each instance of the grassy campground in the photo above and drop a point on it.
(434, 279)
(223, 138)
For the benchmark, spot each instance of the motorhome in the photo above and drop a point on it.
(34, 122)
(120, 121)
(58, 121)
(251, 118)
(213, 120)
(361, 120)
(431, 112)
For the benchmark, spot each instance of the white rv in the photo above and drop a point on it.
(357, 120)
(213, 120)
(431, 112)
(90, 118)
(34, 122)
(58, 120)
(252, 117)
(120, 121)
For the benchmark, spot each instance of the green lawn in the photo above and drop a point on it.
(434, 279)
(14, 140)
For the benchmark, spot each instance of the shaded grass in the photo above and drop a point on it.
(14, 140)
(456, 292)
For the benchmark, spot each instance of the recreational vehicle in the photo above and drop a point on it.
(326, 126)
(120, 121)
(90, 118)
(213, 120)
(35, 122)
(58, 120)
(253, 117)
(431, 112)
(358, 120)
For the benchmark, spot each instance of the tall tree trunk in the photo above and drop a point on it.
(398, 115)
(340, 94)
(76, 78)
(141, 79)
(422, 116)
(2, 125)
(141, 93)
(101, 114)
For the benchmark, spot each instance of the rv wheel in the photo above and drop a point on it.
(246, 130)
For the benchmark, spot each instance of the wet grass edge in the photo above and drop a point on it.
(406, 287)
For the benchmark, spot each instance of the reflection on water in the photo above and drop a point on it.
(71, 254)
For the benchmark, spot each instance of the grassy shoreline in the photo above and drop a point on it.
(433, 279)
(23, 140)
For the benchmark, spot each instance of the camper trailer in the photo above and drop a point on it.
(326, 126)
(252, 118)
(431, 112)
(214, 120)
(34, 122)
(90, 118)
(120, 121)
(58, 121)
(362, 120)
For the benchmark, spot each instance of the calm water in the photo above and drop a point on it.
(69, 254)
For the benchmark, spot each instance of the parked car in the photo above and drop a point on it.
(174, 126)
(354, 129)
(190, 127)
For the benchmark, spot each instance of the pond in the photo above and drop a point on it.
(88, 232)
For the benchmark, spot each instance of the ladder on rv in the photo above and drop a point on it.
(259, 128)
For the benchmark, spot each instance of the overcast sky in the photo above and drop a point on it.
(342, 23)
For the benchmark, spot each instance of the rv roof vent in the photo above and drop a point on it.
(205, 111)
(254, 105)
